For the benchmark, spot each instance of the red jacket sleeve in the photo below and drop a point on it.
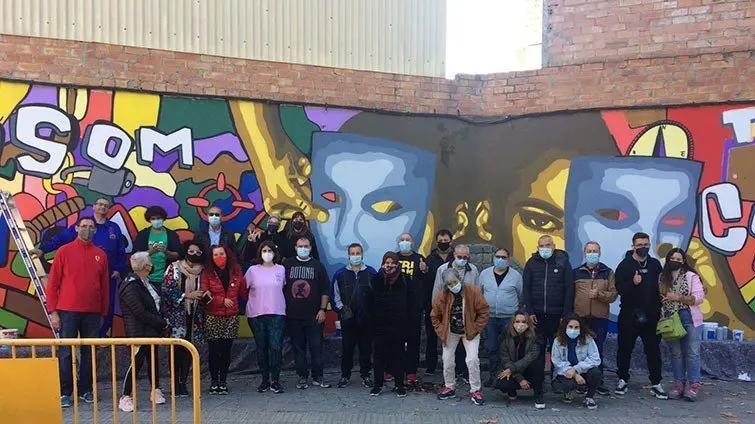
(53, 281)
(105, 287)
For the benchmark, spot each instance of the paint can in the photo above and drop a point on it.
(338, 328)
(738, 335)
(710, 330)
(8, 333)
(722, 333)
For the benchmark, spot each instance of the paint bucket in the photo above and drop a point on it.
(338, 328)
(8, 333)
(710, 330)
(722, 333)
(738, 335)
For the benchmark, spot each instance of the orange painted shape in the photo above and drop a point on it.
(2, 296)
(34, 396)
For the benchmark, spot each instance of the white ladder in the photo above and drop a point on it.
(23, 241)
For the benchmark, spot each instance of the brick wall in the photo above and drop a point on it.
(712, 77)
(583, 31)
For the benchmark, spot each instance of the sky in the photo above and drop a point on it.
(483, 35)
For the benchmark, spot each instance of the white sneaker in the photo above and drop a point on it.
(126, 404)
(158, 397)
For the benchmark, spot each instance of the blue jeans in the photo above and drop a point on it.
(73, 325)
(600, 327)
(494, 330)
(685, 353)
(268, 335)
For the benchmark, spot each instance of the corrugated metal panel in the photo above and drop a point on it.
(398, 36)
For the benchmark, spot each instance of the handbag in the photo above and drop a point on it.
(671, 328)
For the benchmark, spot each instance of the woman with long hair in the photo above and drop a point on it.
(266, 313)
(576, 360)
(223, 282)
(682, 292)
(519, 369)
(297, 228)
(182, 307)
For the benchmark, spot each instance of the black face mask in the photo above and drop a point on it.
(272, 229)
(298, 225)
(443, 246)
(194, 258)
(673, 265)
(643, 252)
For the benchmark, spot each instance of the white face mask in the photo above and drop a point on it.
(267, 257)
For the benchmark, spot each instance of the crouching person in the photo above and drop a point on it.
(576, 360)
(520, 369)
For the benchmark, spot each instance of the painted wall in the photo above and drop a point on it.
(684, 175)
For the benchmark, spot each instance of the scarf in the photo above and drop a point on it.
(391, 278)
(191, 281)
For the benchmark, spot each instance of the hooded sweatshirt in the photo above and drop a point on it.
(645, 296)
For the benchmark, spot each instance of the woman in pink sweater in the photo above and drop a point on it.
(266, 313)
(682, 292)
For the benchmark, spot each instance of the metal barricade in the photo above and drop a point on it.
(152, 343)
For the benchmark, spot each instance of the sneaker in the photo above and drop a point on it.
(342, 383)
(214, 388)
(158, 397)
(567, 397)
(603, 391)
(387, 377)
(367, 381)
(400, 392)
(265, 386)
(677, 390)
(512, 396)
(302, 384)
(621, 388)
(376, 391)
(65, 401)
(276, 387)
(539, 402)
(412, 378)
(318, 381)
(489, 382)
(693, 391)
(182, 391)
(590, 403)
(581, 389)
(658, 392)
(87, 397)
(222, 389)
(447, 394)
(126, 404)
(477, 398)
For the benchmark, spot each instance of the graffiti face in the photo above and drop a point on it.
(372, 189)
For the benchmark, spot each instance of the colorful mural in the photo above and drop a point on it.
(683, 174)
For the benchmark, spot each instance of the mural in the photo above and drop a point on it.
(684, 175)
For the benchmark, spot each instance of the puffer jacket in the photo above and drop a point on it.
(548, 285)
(140, 315)
(476, 312)
(210, 281)
(509, 357)
(602, 279)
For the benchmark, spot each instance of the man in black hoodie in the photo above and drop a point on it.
(438, 256)
(414, 268)
(547, 290)
(637, 283)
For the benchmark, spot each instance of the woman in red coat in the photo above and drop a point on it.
(223, 282)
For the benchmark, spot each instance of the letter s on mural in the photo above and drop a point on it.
(684, 175)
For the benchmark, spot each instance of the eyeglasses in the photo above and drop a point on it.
(463, 258)
(213, 214)
(102, 204)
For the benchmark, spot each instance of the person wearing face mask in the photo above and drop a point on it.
(254, 237)
(78, 298)
(161, 243)
(637, 283)
(387, 301)
(215, 234)
(414, 268)
(296, 228)
(576, 361)
(519, 369)
(682, 292)
(502, 287)
(223, 283)
(347, 291)
(547, 290)
(307, 292)
(460, 313)
(594, 291)
(442, 254)
(266, 313)
(182, 307)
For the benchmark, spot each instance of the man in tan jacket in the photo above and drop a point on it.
(460, 313)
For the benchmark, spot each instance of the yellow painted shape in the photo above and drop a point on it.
(244, 330)
(55, 179)
(428, 237)
(11, 94)
(147, 177)
(137, 215)
(132, 111)
(16, 185)
(748, 291)
(674, 137)
(81, 105)
(30, 392)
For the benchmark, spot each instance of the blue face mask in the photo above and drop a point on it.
(460, 262)
(572, 333)
(545, 252)
(592, 258)
(157, 224)
(302, 252)
(214, 220)
(405, 246)
(500, 263)
(455, 289)
(355, 259)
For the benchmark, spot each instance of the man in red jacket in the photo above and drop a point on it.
(77, 299)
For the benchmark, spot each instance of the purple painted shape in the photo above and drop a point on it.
(208, 149)
(162, 163)
(148, 196)
(329, 119)
(38, 94)
(256, 198)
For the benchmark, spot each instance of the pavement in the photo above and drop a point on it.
(721, 402)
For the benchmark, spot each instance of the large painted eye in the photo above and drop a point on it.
(612, 214)
(386, 206)
(331, 197)
(674, 219)
(540, 220)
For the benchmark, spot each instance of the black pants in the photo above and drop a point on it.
(220, 359)
(306, 333)
(629, 330)
(533, 374)
(183, 356)
(593, 378)
(389, 356)
(144, 353)
(546, 329)
(72, 325)
(355, 335)
(413, 336)
(431, 344)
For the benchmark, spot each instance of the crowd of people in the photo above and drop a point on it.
(194, 290)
